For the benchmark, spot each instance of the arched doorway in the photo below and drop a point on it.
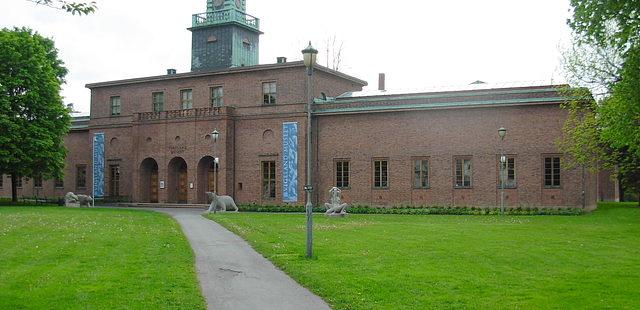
(207, 178)
(149, 180)
(177, 185)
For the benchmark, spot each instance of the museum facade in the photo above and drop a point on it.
(149, 140)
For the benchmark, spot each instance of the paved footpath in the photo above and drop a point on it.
(234, 276)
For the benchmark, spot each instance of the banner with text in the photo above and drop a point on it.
(98, 165)
(290, 162)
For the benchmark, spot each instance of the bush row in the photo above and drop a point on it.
(419, 210)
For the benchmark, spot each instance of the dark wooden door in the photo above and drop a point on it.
(153, 190)
(211, 180)
(182, 186)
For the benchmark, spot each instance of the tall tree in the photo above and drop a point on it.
(33, 118)
(606, 58)
(69, 6)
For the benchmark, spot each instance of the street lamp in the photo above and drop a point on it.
(309, 55)
(214, 136)
(503, 161)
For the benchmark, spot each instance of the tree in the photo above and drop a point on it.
(70, 7)
(606, 58)
(334, 52)
(33, 118)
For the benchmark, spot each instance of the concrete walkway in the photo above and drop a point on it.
(234, 276)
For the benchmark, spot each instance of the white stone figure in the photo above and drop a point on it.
(71, 200)
(336, 207)
(221, 203)
(85, 200)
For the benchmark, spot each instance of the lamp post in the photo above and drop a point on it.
(503, 161)
(214, 137)
(309, 56)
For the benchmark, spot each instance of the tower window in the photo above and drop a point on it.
(158, 101)
(269, 92)
(115, 105)
(186, 97)
(216, 96)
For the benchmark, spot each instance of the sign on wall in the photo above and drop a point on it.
(98, 165)
(290, 162)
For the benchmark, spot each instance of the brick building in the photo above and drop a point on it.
(381, 148)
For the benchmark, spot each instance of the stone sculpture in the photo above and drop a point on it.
(336, 207)
(221, 203)
(73, 200)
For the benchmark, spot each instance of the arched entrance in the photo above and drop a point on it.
(149, 180)
(207, 178)
(177, 185)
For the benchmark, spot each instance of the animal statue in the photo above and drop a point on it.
(221, 203)
(336, 207)
(72, 200)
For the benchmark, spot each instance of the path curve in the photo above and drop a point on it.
(233, 275)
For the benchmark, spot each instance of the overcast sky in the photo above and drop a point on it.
(418, 44)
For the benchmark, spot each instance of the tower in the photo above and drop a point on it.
(224, 36)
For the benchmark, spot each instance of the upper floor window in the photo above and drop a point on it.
(269, 92)
(158, 101)
(507, 172)
(380, 174)
(81, 176)
(420, 173)
(216, 96)
(463, 173)
(186, 98)
(552, 171)
(115, 105)
(342, 174)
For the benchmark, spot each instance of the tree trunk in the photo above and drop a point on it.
(14, 188)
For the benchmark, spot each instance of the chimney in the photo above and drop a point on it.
(381, 82)
(171, 71)
(282, 60)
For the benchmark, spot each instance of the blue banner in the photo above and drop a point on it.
(290, 162)
(98, 165)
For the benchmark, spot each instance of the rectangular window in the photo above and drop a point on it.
(342, 174)
(269, 92)
(186, 98)
(507, 172)
(1, 180)
(158, 101)
(463, 173)
(216, 96)
(421, 173)
(81, 176)
(19, 182)
(114, 180)
(115, 105)
(552, 171)
(380, 174)
(37, 181)
(59, 183)
(269, 179)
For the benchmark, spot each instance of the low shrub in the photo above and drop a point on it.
(425, 210)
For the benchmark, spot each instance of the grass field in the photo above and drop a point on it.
(61, 258)
(476, 262)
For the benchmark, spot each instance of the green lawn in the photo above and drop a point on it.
(62, 258)
(476, 262)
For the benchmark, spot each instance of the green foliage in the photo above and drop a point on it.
(85, 258)
(33, 118)
(595, 20)
(409, 210)
(607, 34)
(70, 7)
(457, 262)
